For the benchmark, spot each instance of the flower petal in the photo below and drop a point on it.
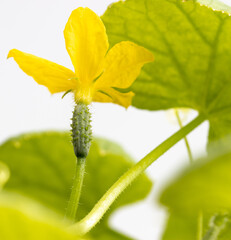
(123, 64)
(55, 77)
(86, 43)
(111, 95)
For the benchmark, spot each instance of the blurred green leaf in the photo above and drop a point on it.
(180, 227)
(192, 48)
(24, 219)
(205, 188)
(42, 167)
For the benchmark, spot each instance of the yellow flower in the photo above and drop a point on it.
(98, 72)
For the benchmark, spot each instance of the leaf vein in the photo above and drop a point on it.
(193, 24)
(171, 52)
(212, 62)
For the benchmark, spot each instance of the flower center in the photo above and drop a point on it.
(84, 95)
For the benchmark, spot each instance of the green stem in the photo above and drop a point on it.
(218, 223)
(88, 222)
(200, 215)
(185, 138)
(76, 190)
(200, 226)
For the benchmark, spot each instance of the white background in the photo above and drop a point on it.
(36, 26)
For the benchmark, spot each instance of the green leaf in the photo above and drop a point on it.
(209, 227)
(205, 188)
(192, 48)
(42, 167)
(181, 227)
(105, 233)
(216, 4)
(24, 219)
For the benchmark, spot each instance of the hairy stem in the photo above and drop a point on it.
(76, 190)
(185, 138)
(88, 222)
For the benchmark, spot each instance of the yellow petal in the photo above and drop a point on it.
(86, 43)
(111, 95)
(123, 65)
(55, 77)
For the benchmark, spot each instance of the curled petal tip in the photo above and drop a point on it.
(148, 55)
(11, 53)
